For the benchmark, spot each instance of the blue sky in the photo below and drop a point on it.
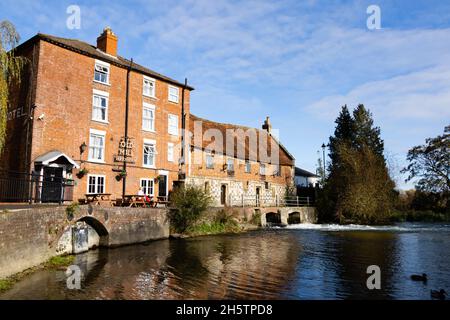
(295, 61)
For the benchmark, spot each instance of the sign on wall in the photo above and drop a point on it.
(125, 152)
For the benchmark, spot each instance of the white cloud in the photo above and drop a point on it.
(418, 95)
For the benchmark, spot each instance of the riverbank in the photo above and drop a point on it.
(273, 263)
(419, 216)
(53, 263)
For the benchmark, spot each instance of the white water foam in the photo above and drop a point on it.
(353, 227)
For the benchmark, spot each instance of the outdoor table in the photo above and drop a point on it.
(99, 199)
(138, 200)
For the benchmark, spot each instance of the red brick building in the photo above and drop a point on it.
(86, 114)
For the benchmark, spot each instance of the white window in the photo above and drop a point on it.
(148, 117)
(149, 87)
(230, 165)
(248, 167)
(97, 146)
(209, 161)
(170, 152)
(173, 124)
(276, 170)
(173, 94)
(100, 106)
(262, 169)
(101, 72)
(147, 186)
(149, 153)
(96, 184)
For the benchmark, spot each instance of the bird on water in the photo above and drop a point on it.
(441, 294)
(417, 277)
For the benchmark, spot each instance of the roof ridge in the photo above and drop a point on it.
(224, 123)
(77, 45)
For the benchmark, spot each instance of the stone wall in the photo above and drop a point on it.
(30, 237)
(241, 192)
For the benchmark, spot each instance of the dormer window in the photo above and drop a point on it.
(101, 72)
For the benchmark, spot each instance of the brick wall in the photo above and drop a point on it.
(64, 95)
(30, 237)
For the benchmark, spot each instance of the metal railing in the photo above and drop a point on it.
(270, 201)
(32, 188)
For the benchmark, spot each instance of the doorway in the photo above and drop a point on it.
(52, 184)
(258, 195)
(223, 195)
(162, 187)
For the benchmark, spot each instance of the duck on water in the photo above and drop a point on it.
(441, 294)
(417, 277)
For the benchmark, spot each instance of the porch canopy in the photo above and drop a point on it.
(56, 157)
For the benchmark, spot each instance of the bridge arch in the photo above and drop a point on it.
(98, 227)
(294, 218)
(273, 218)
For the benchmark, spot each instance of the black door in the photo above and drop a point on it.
(223, 195)
(52, 185)
(162, 187)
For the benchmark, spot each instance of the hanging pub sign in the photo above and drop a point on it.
(125, 153)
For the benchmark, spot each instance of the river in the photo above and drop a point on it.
(298, 262)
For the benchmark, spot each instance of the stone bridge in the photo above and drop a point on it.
(30, 237)
(287, 215)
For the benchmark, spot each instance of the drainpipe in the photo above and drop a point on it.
(127, 98)
(183, 129)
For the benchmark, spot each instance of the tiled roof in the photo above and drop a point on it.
(304, 173)
(92, 51)
(285, 158)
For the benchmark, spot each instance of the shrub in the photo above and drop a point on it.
(189, 202)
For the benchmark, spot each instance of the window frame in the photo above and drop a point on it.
(248, 166)
(230, 165)
(108, 74)
(97, 133)
(173, 116)
(96, 184)
(177, 100)
(100, 94)
(262, 169)
(211, 156)
(148, 142)
(147, 187)
(147, 106)
(170, 151)
(148, 79)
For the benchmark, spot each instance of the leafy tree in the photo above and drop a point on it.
(358, 187)
(189, 202)
(10, 70)
(368, 192)
(431, 164)
(320, 170)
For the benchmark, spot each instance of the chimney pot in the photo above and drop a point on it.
(267, 126)
(107, 42)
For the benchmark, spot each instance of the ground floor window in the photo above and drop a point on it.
(147, 186)
(96, 184)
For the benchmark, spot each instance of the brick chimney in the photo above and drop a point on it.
(107, 42)
(267, 126)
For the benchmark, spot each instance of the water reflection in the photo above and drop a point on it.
(272, 264)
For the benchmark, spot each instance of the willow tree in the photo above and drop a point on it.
(10, 71)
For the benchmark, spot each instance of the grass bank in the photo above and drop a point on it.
(214, 228)
(58, 262)
(419, 216)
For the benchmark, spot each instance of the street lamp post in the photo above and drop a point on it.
(324, 165)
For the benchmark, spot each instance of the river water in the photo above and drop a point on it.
(298, 262)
